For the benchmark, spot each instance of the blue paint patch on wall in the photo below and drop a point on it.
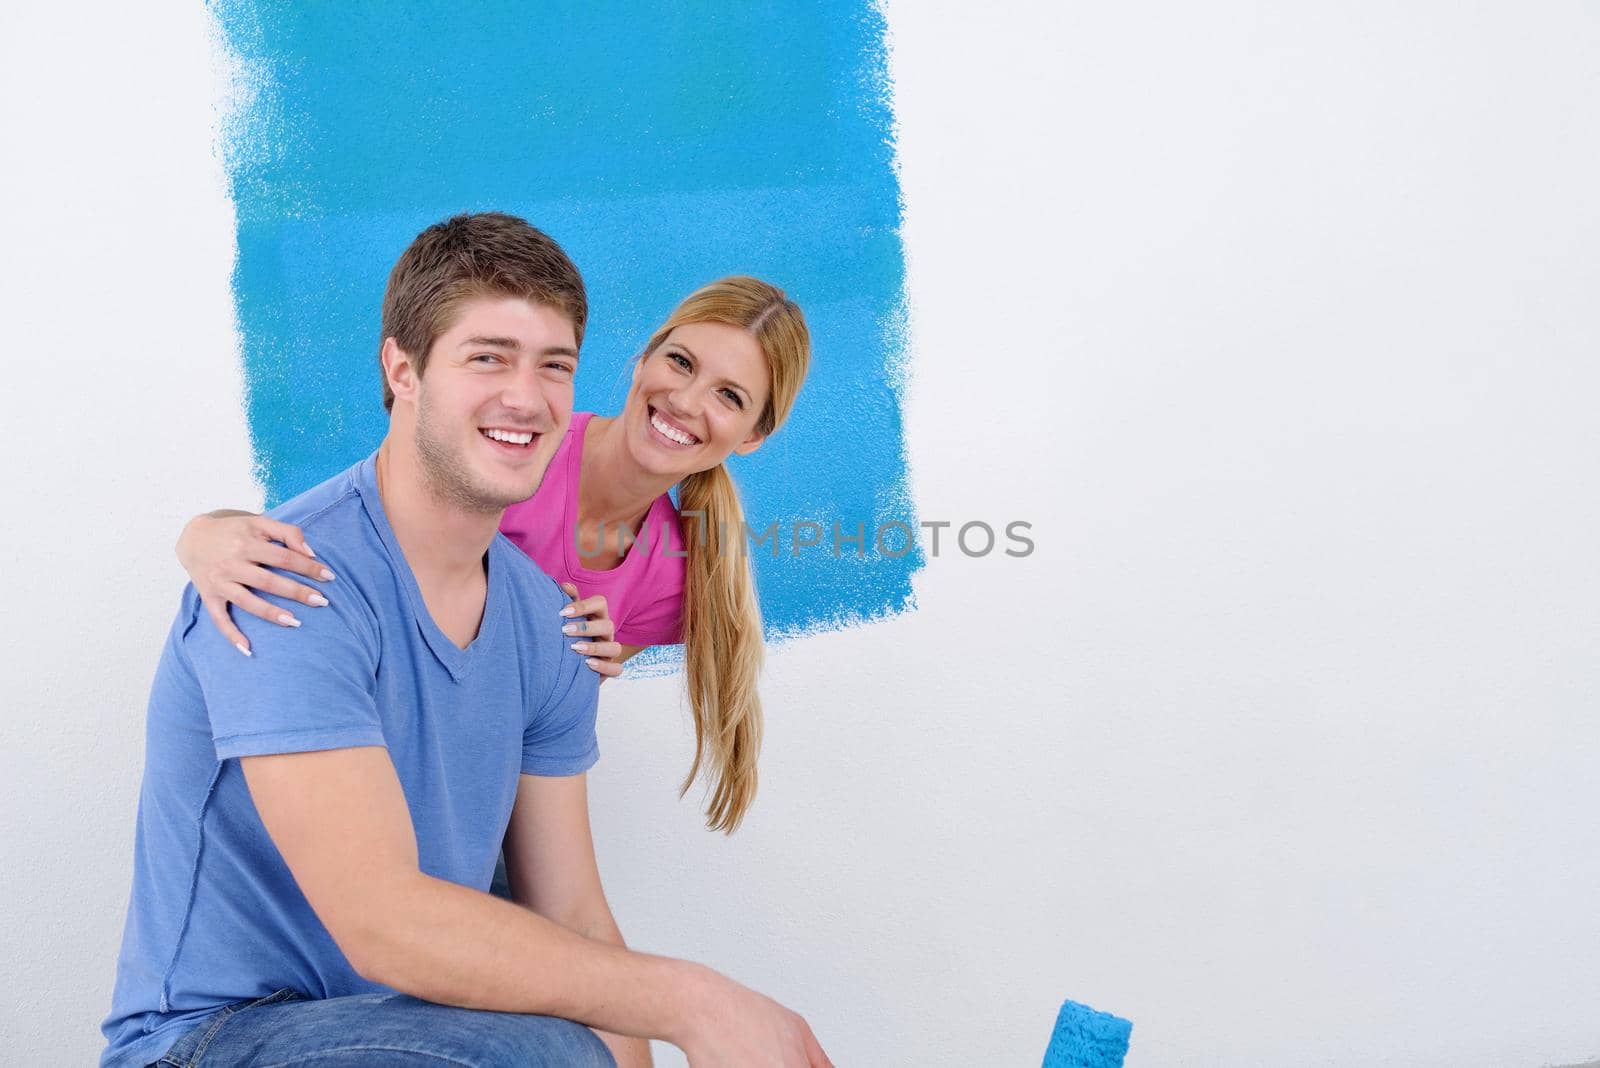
(662, 148)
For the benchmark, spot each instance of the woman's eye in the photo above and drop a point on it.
(680, 359)
(738, 401)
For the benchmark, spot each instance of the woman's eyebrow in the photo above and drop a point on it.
(740, 386)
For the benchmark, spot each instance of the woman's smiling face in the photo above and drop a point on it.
(696, 399)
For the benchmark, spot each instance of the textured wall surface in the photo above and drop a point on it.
(1279, 326)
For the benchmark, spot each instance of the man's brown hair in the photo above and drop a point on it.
(484, 254)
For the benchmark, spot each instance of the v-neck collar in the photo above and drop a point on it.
(456, 660)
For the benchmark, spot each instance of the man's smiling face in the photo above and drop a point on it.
(495, 401)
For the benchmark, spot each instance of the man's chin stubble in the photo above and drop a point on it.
(450, 481)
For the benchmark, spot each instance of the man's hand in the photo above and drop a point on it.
(739, 1028)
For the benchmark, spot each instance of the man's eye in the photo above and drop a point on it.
(564, 368)
(486, 356)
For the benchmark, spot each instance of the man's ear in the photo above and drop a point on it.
(399, 371)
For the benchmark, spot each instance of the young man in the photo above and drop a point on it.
(319, 822)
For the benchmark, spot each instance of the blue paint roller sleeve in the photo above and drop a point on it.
(1085, 1038)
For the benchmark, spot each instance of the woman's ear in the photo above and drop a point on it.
(398, 370)
(750, 444)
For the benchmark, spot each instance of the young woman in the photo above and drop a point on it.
(718, 377)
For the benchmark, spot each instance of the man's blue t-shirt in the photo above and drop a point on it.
(215, 917)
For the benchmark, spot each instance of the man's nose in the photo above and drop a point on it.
(524, 393)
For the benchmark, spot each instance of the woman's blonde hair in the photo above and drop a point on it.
(722, 638)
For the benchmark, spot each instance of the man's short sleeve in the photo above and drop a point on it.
(560, 738)
(303, 688)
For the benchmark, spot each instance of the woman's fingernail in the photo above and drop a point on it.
(241, 647)
(569, 629)
(580, 647)
(289, 621)
(567, 611)
(328, 576)
(318, 600)
(594, 663)
(311, 552)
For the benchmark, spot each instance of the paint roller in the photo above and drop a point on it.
(1085, 1038)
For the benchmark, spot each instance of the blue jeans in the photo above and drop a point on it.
(374, 1030)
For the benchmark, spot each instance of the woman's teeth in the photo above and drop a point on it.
(508, 437)
(667, 430)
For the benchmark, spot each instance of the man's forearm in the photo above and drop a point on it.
(456, 946)
(602, 927)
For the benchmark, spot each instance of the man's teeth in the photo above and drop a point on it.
(508, 437)
(673, 432)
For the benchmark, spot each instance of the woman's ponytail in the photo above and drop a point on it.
(722, 645)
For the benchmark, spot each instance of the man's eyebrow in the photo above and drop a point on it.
(516, 346)
(493, 342)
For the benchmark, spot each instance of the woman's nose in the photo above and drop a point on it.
(683, 401)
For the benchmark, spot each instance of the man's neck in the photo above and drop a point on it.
(611, 490)
(442, 541)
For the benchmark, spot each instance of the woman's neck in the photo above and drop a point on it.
(611, 488)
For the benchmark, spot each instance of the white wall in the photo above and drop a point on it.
(1279, 325)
